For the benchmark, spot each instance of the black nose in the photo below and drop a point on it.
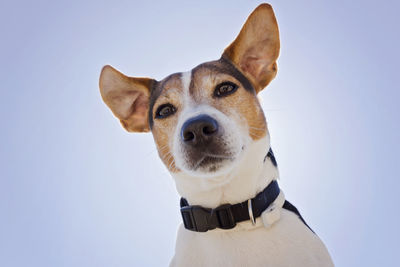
(198, 129)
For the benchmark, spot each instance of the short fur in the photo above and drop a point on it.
(227, 164)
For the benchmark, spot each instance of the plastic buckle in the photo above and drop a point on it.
(224, 216)
(196, 218)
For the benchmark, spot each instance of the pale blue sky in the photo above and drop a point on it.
(77, 190)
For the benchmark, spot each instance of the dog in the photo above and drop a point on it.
(211, 133)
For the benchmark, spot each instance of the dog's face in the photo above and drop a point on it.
(203, 120)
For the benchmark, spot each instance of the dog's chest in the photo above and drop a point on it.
(287, 243)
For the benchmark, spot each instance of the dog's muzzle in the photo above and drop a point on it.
(204, 145)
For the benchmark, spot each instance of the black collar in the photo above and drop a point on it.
(199, 219)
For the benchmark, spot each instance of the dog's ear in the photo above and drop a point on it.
(256, 48)
(127, 97)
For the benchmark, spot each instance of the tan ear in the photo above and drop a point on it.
(127, 97)
(256, 48)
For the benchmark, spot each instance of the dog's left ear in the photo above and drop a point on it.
(256, 48)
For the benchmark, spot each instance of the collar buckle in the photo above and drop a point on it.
(195, 218)
(224, 216)
(199, 219)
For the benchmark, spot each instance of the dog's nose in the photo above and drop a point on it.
(198, 129)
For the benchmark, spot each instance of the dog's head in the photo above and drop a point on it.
(203, 120)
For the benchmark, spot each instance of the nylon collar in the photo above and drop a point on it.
(199, 219)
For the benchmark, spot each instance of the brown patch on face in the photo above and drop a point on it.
(242, 104)
(169, 91)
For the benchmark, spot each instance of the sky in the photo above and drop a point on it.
(77, 190)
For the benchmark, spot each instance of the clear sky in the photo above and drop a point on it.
(77, 190)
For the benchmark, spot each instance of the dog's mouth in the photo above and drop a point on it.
(211, 162)
(206, 163)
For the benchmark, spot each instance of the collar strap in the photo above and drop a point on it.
(199, 219)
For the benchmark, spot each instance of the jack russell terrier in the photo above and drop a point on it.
(211, 134)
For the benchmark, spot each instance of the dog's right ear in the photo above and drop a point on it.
(127, 97)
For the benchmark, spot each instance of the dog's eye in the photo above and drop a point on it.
(224, 89)
(165, 110)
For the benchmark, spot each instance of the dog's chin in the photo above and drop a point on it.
(210, 166)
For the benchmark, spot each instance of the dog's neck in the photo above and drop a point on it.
(253, 173)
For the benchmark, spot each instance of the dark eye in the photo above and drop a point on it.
(164, 111)
(224, 89)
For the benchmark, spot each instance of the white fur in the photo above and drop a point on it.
(287, 242)
(186, 78)
(273, 212)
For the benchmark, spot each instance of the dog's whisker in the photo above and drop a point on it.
(172, 165)
(259, 129)
(255, 132)
(170, 160)
(168, 156)
(163, 148)
(256, 135)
